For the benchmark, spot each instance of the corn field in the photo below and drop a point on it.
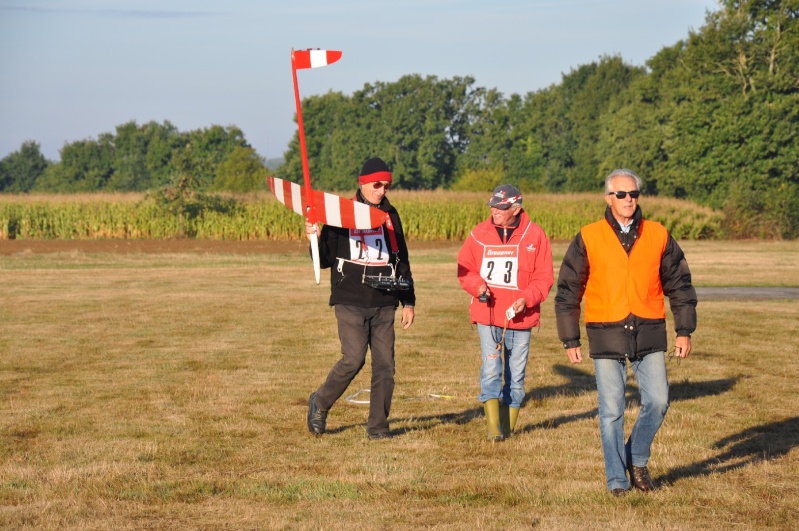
(426, 216)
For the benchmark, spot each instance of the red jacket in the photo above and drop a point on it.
(520, 267)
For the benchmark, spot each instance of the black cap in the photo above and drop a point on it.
(374, 170)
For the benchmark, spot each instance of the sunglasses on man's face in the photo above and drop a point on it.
(378, 185)
(621, 195)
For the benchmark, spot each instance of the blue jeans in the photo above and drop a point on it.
(611, 381)
(514, 355)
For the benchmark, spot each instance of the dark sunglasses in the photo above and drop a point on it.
(378, 185)
(621, 195)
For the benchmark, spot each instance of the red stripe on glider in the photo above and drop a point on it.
(314, 58)
(331, 209)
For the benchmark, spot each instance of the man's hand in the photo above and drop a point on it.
(407, 317)
(575, 354)
(682, 346)
(520, 305)
(311, 228)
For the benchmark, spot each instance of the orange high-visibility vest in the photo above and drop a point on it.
(620, 284)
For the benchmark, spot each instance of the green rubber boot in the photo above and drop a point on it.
(491, 408)
(507, 419)
(513, 416)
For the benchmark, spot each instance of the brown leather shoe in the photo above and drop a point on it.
(639, 477)
(619, 492)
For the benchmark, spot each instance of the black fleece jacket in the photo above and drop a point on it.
(634, 336)
(346, 281)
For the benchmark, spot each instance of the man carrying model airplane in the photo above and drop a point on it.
(370, 276)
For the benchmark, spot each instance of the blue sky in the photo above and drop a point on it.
(73, 69)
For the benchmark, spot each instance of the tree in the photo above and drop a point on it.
(209, 147)
(86, 166)
(640, 135)
(183, 196)
(739, 121)
(487, 140)
(139, 158)
(163, 141)
(333, 142)
(419, 126)
(242, 171)
(130, 168)
(143, 155)
(20, 170)
(597, 93)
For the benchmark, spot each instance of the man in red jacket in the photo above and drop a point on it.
(506, 266)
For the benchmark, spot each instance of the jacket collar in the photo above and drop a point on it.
(384, 205)
(614, 224)
(488, 225)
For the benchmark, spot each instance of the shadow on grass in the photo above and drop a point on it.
(581, 382)
(753, 445)
(420, 423)
(428, 421)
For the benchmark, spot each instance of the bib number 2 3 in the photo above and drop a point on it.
(500, 266)
(500, 273)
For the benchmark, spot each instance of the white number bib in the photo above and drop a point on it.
(500, 265)
(368, 246)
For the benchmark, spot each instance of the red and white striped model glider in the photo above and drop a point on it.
(319, 207)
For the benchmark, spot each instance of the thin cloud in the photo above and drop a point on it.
(116, 13)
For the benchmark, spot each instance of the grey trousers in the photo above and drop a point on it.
(360, 329)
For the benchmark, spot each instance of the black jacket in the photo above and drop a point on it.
(634, 336)
(346, 278)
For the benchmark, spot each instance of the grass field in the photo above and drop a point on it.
(169, 391)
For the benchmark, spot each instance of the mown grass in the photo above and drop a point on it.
(170, 391)
(427, 216)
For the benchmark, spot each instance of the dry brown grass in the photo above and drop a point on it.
(170, 391)
(743, 263)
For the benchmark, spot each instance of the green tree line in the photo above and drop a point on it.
(713, 118)
(139, 158)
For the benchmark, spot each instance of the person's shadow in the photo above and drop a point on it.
(580, 382)
(752, 445)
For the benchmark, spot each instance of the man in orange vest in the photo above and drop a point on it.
(623, 266)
